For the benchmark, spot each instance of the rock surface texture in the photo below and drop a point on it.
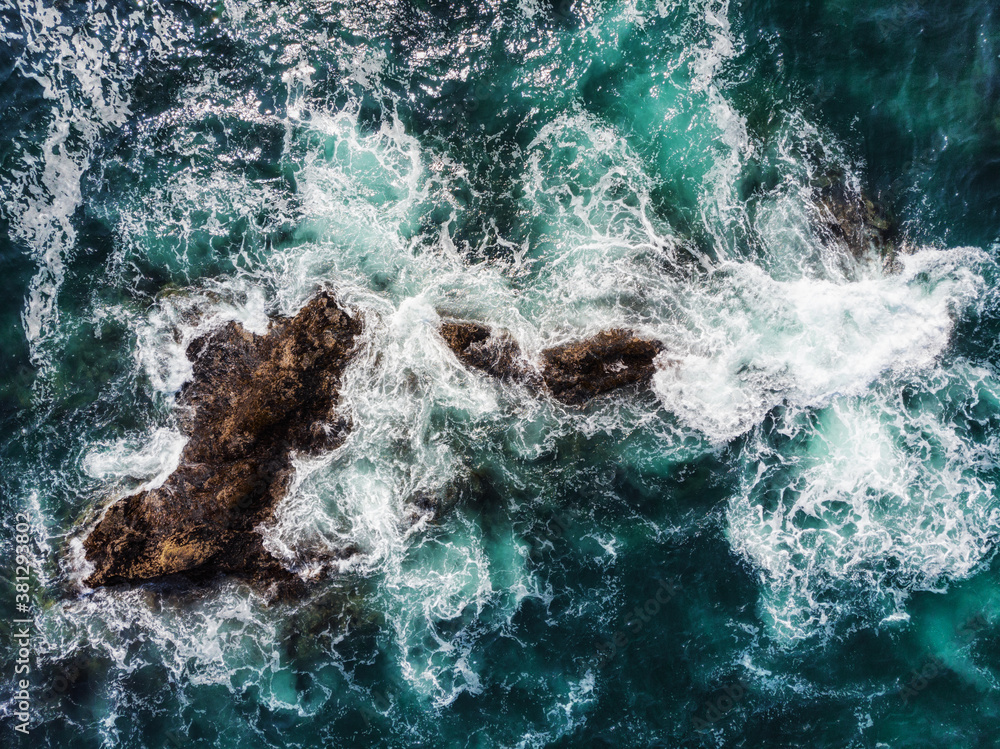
(494, 352)
(576, 372)
(573, 373)
(253, 400)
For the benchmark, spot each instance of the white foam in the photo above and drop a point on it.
(153, 459)
(403, 378)
(754, 342)
(867, 500)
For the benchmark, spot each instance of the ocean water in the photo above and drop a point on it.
(790, 541)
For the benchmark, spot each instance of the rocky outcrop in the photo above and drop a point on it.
(576, 372)
(253, 400)
(492, 351)
(573, 373)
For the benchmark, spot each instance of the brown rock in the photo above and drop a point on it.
(573, 373)
(252, 401)
(478, 346)
(577, 372)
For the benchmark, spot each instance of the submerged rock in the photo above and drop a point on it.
(252, 401)
(852, 219)
(577, 372)
(573, 373)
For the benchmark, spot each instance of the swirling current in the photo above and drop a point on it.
(787, 540)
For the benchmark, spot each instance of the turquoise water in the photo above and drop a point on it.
(789, 542)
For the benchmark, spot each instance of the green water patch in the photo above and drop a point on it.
(913, 88)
